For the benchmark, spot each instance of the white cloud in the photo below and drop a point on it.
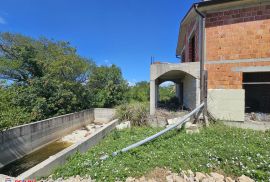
(2, 20)
(131, 84)
(166, 84)
(107, 62)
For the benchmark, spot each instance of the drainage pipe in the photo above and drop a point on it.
(180, 122)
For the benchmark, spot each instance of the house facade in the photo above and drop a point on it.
(224, 48)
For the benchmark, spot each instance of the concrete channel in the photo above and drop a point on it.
(42, 146)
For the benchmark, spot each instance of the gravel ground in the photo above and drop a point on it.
(261, 117)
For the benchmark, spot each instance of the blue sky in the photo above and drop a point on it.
(122, 32)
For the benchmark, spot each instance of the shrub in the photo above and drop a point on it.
(136, 113)
(11, 114)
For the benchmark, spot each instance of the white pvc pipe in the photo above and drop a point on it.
(180, 122)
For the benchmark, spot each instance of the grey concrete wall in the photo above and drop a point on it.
(192, 68)
(103, 115)
(227, 104)
(46, 167)
(191, 92)
(19, 141)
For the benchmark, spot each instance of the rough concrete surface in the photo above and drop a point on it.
(227, 104)
(46, 167)
(103, 115)
(21, 140)
(186, 73)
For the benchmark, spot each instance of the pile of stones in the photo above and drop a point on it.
(184, 176)
(189, 176)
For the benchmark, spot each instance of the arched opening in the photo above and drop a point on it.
(186, 79)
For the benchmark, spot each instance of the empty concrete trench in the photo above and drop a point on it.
(37, 148)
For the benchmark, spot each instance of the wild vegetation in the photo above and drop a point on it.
(135, 112)
(140, 92)
(229, 151)
(41, 78)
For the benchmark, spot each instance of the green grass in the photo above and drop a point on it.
(230, 151)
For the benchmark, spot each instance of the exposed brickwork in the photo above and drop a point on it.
(192, 26)
(232, 35)
(221, 76)
(238, 34)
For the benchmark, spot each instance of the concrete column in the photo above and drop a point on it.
(177, 91)
(198, 93)
(153, 97)
(157, 93)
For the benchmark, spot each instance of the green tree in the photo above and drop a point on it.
(140, 92)
(23, 59)
(40, 78)
(10, 113)
(107, 86)
(166, 92)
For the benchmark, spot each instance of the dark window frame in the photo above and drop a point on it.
(192, 48)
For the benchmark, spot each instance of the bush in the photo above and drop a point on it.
(11, 114)
(136, 113)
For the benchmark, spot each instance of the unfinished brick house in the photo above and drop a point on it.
(224, 48)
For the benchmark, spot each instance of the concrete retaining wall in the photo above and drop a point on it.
(227, 104)
(46, 167)
(103, 115)
(21, 140)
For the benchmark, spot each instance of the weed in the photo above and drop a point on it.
(217, 148)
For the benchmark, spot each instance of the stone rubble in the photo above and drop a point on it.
(184, 176)
(80, 134)
(192, 128)
(123, 125)
(259, 117)
(189, 176)
(164, 117)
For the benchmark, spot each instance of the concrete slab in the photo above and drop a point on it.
(227, 104)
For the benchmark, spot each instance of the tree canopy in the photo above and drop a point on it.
(23, 59)
(41, 78)
(108, 86)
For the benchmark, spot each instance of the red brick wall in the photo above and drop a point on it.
(233, 35)
(196, 34)
(238, 34)
(220, 76)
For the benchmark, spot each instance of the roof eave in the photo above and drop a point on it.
(206, 6)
